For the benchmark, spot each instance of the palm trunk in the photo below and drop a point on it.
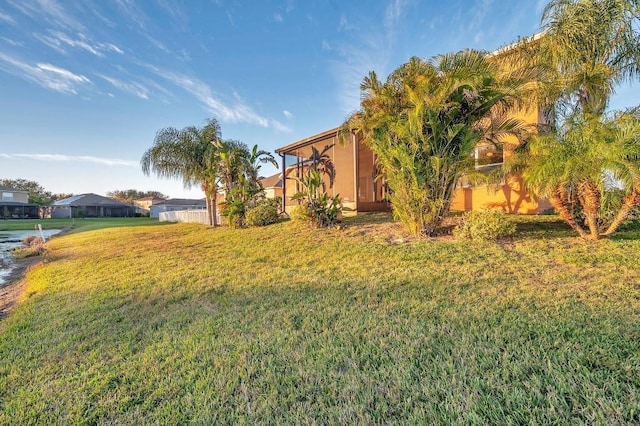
(630, 201)
(211, 219)
(590, 199)
(214, 207)
(559, 202)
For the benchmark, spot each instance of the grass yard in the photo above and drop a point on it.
(75, 225)
(183, 324)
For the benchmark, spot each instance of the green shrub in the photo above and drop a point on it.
(261, 215)
(301, 213)
(485, 225)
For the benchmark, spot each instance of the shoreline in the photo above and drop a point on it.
(16, 283)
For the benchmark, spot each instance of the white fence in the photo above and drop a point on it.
(188, 216)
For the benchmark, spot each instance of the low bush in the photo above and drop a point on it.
(485, 225)
(261, 215)
(301, 213)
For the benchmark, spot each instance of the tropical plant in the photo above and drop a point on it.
(424, 122)
(589, 48)
(320, 209)
(589, 171)
(188, 154)
(239, 171)
(585, 159)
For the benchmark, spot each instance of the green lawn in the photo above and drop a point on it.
(75, 225)
(183, 324)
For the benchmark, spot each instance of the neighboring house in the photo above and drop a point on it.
(14, 204)
(176, 204)
(144, 204)
(272, 186)
(90, 205)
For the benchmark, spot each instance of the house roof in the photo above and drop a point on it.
(308, 141)
(274, 181)
(9, 189)
(180, 202)
(88, 200)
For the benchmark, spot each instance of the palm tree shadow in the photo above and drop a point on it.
(544, 229)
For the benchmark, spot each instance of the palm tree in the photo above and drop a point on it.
(424, 122)
(254, 161)
(239, 170)
(579, 169)
(589, 48)
(187, 154)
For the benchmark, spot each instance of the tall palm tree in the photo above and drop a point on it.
(589, 48)
(187, 154)
(424, 122)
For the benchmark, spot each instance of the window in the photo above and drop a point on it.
(7, 196)
(488, 155)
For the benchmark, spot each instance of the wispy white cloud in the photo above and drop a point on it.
(50, 11)
(6, 18)
(287, 114)
(12, 42)
(279, 127)
(133, 88)
(325, 45)
(73, 158)
(46, 75)
(239, 112)
(393, 13)
(59, 40)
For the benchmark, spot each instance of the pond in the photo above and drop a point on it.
(10, 240)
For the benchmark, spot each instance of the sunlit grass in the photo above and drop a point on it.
(180, 323)
(75, 225)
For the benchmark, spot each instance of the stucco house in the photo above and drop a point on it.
(14, 204)
(353, 174)
(90, 205)
(272, 185)
(176, 204)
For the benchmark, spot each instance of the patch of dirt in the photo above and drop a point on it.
(11, 291)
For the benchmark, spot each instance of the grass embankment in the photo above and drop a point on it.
(181, 323)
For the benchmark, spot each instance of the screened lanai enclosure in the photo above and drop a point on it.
(348, 170)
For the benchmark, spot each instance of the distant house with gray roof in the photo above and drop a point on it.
(14, 204)
(176, 204)
(90, 205)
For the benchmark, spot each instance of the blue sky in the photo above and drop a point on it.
(85, 85)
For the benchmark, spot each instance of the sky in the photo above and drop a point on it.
(86, 84)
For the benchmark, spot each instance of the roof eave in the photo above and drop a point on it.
(307, 141)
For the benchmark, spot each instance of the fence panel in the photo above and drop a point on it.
(188, 216)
